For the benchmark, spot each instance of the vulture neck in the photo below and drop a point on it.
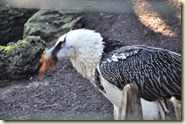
(86, 62)
(87, 58)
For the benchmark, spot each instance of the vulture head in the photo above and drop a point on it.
(83, 47)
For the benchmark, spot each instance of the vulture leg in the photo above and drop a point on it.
(117, 113)
(133, 103)
(162, 107)
(177, 107)
(130, 108)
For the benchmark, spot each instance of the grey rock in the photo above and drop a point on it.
(12, 23)
(21, 59)
(50, 24)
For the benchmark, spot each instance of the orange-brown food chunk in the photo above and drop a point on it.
(46, 64)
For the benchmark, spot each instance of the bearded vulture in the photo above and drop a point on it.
(155, 72)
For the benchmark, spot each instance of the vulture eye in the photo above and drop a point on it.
(62, 44)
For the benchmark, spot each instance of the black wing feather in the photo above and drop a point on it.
(155, 72)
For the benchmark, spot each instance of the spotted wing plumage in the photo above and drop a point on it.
(156, 73)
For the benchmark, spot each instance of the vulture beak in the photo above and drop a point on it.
(55, 50)
(48, 59)
(52, 53)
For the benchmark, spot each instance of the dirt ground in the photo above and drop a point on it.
(63, 94)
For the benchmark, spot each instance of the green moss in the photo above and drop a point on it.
(22, 42)
(11, 45)
(67, 19)
(6, 48)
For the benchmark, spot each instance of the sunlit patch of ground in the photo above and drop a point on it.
(152, 19)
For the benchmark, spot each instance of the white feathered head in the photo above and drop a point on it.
(83, 47)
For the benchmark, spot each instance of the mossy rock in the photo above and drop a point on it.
(51, 24)
(12, 23)
(22, 59)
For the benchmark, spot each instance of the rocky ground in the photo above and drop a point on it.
(63, 94)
